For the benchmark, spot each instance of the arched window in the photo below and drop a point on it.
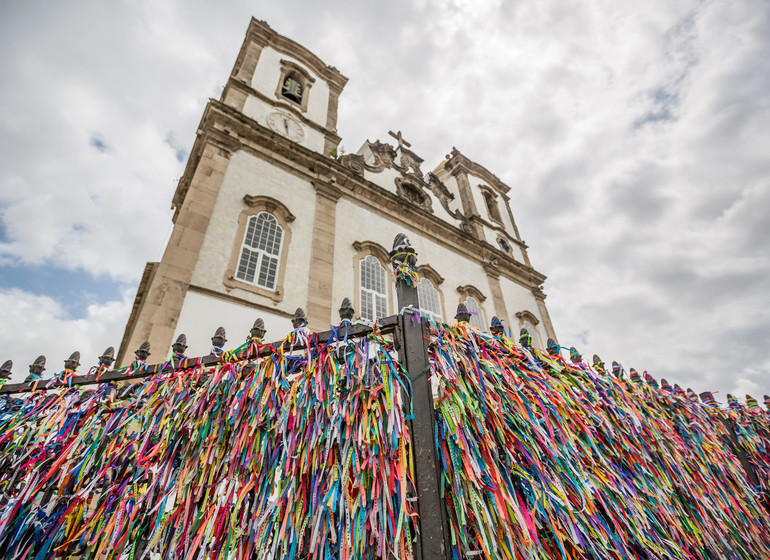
(374, 295)
(477, 318)
(260, 251)
(292, 88)
(430, 302)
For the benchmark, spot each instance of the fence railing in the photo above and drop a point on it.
(412, 340)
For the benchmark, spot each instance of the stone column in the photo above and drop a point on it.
(493, 276)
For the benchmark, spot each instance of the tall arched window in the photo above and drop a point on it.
(260, 251)
(477, 318)
(492, 208)
(430, 302)
(374, 295)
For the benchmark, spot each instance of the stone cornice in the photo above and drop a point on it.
(458, 162)
(224, 125)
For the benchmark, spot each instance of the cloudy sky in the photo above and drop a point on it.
(634, 136)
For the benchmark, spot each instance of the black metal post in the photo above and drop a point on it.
(433, 542)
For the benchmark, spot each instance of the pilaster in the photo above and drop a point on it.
(321, 274)
(493, 276)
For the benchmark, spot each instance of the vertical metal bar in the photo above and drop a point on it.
(433, 542)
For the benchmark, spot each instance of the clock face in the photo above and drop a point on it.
(284, 125)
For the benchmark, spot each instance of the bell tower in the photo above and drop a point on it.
(284, 86)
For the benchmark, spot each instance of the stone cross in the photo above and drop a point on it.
(401, 141)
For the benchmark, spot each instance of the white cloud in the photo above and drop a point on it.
(38, 325)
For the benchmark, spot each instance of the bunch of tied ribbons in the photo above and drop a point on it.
(298, 454)
(752, 431)
(541, 459)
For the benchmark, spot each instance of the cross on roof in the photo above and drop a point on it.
(401, 141)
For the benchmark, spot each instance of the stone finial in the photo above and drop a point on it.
(403, 252)
(679, 391)
(665, 385)
(767, 402)
(180, 345)
(5, 369)
(258, 329)
(751, 402)
(552, 348)
(496, 326)
(732, 402)
(462, 315)
(143, 352)
(525, 339)
(36, 369)
(107, 357)
(346, 310)
(692, 394)
(299, 319)
(72, 362)
(599, 364)
(574, 355)
(634, 376)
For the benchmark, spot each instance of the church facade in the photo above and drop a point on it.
(268, 218)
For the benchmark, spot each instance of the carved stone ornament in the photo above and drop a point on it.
(346, 310)
(180, 345)
(599, 364)
(72, 362)
(616, 369)
(299, 319)
(496, 326)
(38, 366)
(143, 352)
(258, 330)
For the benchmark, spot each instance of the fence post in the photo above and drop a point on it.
(433, 542)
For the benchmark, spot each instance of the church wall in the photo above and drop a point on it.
(517, 298)
(202, 314)
(249, 175)
(362, 225)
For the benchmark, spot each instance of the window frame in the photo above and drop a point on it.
(429, 273)
(306, 80)
(363, 250)
(255, 205)
(490, 202)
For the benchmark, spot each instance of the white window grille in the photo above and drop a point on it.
(260, 251)
(477, 319)
(430, 302)
(531, 330)
(374, 295)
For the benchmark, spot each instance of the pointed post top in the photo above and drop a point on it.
(38, 365)
(299, 319)
(346, 310)
(599, 364)
(402, 253)
(462, 315)
(143, 352)
(552, 347)
(220, 337)
(574, 355)
(634, 376)
(107, 357)
(72, 362)
(525, 339)
(617, 369)
(5, 369)
(651, 380)
(180, 345)
(258, 329)
(496, 326)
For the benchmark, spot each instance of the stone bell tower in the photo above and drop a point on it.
(250, 173)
